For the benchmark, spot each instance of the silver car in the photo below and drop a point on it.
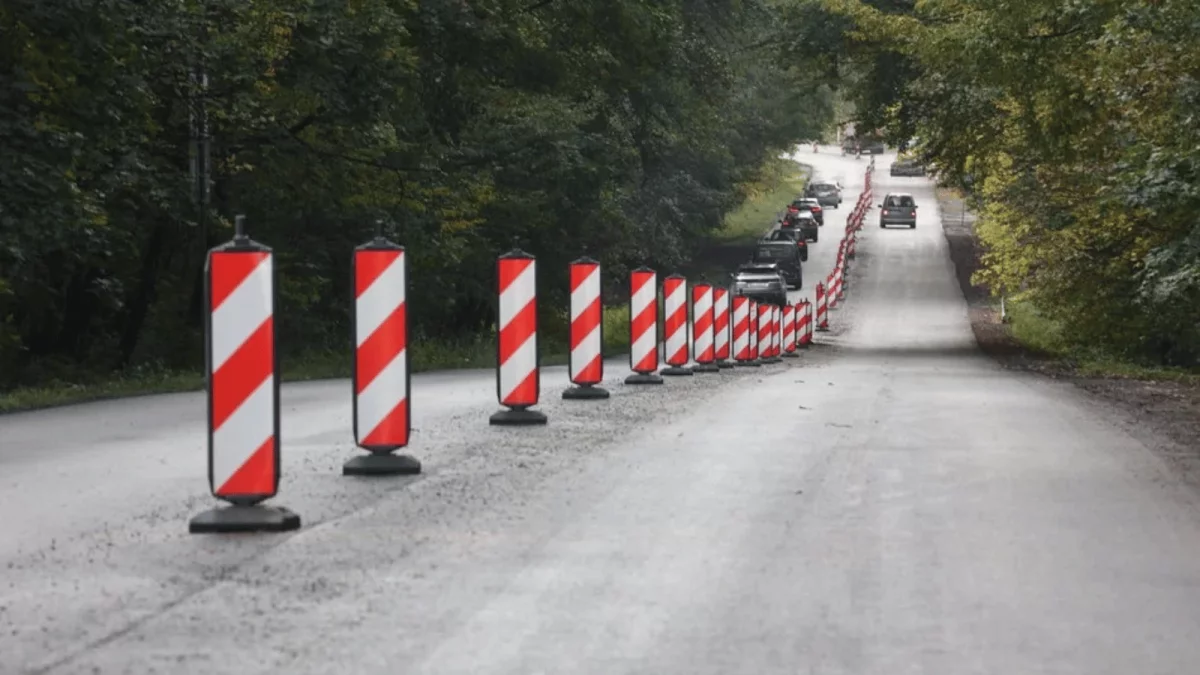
(898, 209)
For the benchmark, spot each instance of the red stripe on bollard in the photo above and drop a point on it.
(643, 327)
(587, 339)
(803, 323)
(741, 330)
(675, 323)
(518, 384)
(243, 389)
(380, 381)
(721, 340)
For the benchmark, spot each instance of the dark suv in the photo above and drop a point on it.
(826, 194)
(785, 256)
(762, 282)
(803, 221)
(801, 204)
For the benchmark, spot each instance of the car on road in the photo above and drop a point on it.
(907, 166)
(801, 203)
(804, 221)
(762, 282)
(785, 255)
(826, 194)
(898, 208)
(875, 148)
(792, 234)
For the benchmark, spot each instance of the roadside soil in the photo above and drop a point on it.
(1164, 415)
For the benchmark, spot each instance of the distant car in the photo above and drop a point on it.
(907, 167)
(875, 148)
(785, 255)
(826, 194)
(801, 203)
(804, 221)
(792, 234)
(898, 208)
(762, 282)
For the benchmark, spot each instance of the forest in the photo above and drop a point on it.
(134, 132)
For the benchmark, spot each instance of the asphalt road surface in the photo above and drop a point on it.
(891, 503)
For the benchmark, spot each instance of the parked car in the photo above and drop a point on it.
(785, 256)
(898, 208)
(805, 222)
(801, 203)
(792, 234)
(875, 148)
(826, 194)
(762, 282)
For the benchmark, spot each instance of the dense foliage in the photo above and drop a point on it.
(1075, 126)
(626, 128)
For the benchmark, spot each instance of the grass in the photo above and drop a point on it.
(1042, 334)
(783, 180)
(426, 356)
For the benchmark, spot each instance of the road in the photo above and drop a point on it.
(891, 503)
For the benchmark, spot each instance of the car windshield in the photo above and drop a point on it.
(824, 188)
(783, 235)
(900, 201)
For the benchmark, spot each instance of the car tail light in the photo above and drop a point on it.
(816, 209)
(885, 212)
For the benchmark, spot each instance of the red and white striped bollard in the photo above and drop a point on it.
(721, 327)
(587, 332)
(380, 377)
(518, 377)
(789, 332)
(753, 331)
(702, 329)
(742, 330)
(766, 329)
(803, 323)
(643, 327)
(676, 325)
(822, 319)
(242, 367)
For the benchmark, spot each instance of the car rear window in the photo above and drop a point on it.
(900, 201)
(774, 252)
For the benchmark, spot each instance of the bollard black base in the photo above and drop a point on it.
(675, 371)
(772, 359)
(822, 330)
(706, 368)
(517, 417)
(585, 392)
(382, 465)
(257, 518)
(724, 364)
(749, 364)
(791, 355)
(643, 378)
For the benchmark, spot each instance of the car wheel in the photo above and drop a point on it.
(882, 225)
(913, 226)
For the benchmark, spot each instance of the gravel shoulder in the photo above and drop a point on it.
(1164, 415)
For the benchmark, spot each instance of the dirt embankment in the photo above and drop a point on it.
(1165, 415)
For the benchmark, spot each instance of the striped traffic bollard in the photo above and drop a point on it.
(777, 332)
(831, 297)
(752, 329)
(587, 332)
(766, 326)
(242, 369)
(721, 351)
(741, 331)
(789, 332)
(822, 319)
(643, 327)
(803, 324)
(702, 329)
(518, 383)
(380, 373)
(841, 281)
(851, 251)
(675, 324)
